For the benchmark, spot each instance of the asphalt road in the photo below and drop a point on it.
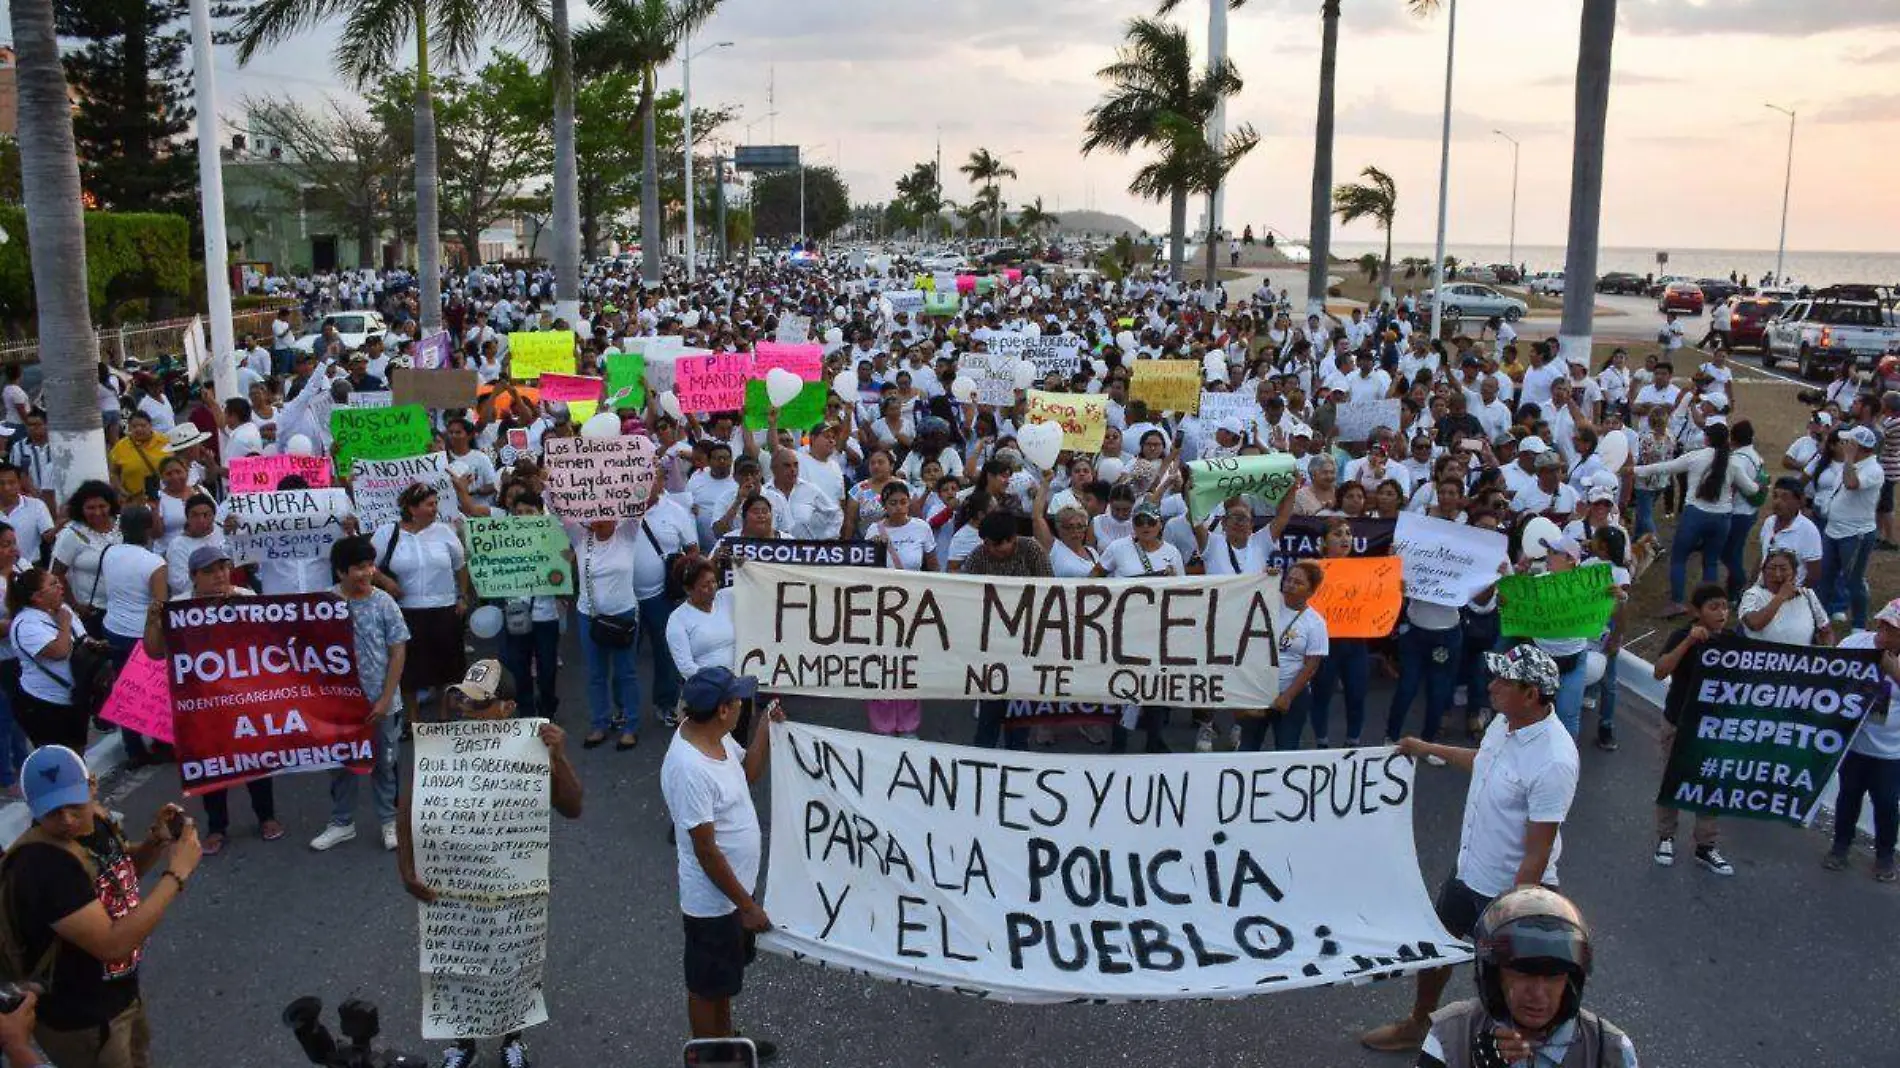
(1784, 964)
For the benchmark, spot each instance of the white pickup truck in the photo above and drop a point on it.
(1819, 334)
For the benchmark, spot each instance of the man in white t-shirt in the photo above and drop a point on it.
(1659, 391)
(1787, 527)
(706, 780)
(1523, 779)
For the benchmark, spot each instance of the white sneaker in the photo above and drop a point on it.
(389, 835)
(334, 835)
(1204, 739)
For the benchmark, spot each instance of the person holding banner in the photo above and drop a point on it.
(1348, 663)
(382, 651)
(1709, 605)
(428, 566)
(609, 607)
(1871, 768)
(1303, 646)
(699, 633)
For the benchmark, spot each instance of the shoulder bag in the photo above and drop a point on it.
(675, 590)
(90, 671)
(605, 631)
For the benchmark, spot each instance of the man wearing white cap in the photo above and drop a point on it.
(1522, 475)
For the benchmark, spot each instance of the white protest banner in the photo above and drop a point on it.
(1048, 878)
(376, 484)
(907, 301)
(479, 820)
(793, 330)
(1218, 406)
(1054, 355)
(994, 375)
(375, 398)
(1356, 420)
(1446, 563)
(286, 524)
(862, 632)
(592, 479)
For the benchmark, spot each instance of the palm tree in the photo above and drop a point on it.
(1321, 240)
(1032, 220)
(1586, 177)
(1216, 122)
(987, 172)
(639, 37)
(567, 182)
(56, 244)
(1155, 94)
(370, 43)
(1377, 199)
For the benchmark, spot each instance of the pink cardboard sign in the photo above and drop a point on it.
(805, 361)
(141, 699)
(712, 383)
(558, 387)
(261, 474)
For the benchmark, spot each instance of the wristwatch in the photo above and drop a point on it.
(181, 879)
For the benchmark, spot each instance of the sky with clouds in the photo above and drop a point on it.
(1694, 159)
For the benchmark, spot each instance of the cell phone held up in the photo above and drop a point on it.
(721, 1053)
(175, 825)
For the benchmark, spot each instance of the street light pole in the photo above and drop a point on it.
(1787, 184)
(1444, 174)
(211, 200)
(1514, 148)
(686, 103)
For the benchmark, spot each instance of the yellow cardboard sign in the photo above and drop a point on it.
(1083, 417)
(1168, 385)
(534, 353)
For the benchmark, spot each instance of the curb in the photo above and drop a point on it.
(103, 757)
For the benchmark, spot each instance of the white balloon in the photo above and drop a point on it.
(670, 404)
(963, 389)
(601, 425)
(1109, 470)
(299, 445)
(782, 387)
(246, 441)
(1539, 535)
(1040, 443)
(1613, 448)
(1025, 373)
(845, 385)
(1099, 367)
(1594, 664)
(1125, 341)
(460, 469)
(1033, 329)
(690, 320)
(485, 622)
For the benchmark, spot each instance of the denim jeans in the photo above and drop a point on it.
(1428, 659)
(1740, 526)
(1480, 637)
(263, 805)
(14, 747)
(654, 612)
(1606, 692)
(611, 666)
(1569, 702)
(1287, 729)
(137, 748)
(382, 777)
(1645, 512)
(1347, 666)
(990, 717)
(533, 660)
(1863, 776)
(1844, 575)
(1697, 531)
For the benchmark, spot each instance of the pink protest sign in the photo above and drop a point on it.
(261, 474)
(141, 699)
(805, 361)
(1014, 275)
(712, 383)
(966, 283)
(558, 387)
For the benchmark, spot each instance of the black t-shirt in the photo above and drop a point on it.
(49, 884)
(1678, 694)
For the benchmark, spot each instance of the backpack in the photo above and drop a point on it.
(90, 672)
(14, 967)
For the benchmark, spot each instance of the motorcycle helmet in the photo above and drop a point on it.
(1535, 931)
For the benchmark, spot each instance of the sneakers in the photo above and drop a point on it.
(1666, 853)
(1401, 1037)
(514, 1052)
(460, 1055)
(1606, 738)
(1884, 871)
(1834, 861)
(1204, 739)
(389, 835)
(334, 835)
(1712, 859)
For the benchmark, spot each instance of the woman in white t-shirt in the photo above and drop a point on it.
(699, 633)
(1777, 608)
(1848, 538)
(423, 566)
(92, 523)
(1070, 554)
(1302, 651)
(44, 631)
(1143, 553)
(911, 546)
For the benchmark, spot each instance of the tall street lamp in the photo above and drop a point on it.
(1514, 148)
(686, 93)
(1787, 183)
(1444, 174)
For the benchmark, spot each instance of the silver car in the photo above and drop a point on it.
(1469, 300)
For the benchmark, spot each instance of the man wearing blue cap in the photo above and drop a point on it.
(70, 886)
(706, 780)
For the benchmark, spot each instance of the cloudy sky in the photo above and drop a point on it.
(1694, 158)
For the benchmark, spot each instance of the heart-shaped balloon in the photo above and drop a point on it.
(845, 385)
(1025, 374)
(1539, 535)
(963, 389)
(1125, 341)
(1613, 448)
(782, 387)
(603, 425)
(1109, 470)
(1040, 443)
(1099, 367)
(300, 446)
(834, 336)
(670, 404)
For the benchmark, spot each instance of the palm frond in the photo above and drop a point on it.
(373, 38)
(269, 23)
(1424, 8)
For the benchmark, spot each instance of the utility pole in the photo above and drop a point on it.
(1444, 175)
(1787, 184)
(939, 176)
(719, 198)
(211, 198)
(1514, 147)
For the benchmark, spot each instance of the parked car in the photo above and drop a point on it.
(354, 327)
(1716, 290)
(1821, 333)
(942, 260)
(1549, 283)
(1622, 282)
(1748, 329)
(1507, 274)
(1657, 287)
(1469, 300)
(1682, 297)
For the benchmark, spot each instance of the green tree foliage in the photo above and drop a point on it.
(344, 163)
(130, 257)
(134, 117)
(775, 203)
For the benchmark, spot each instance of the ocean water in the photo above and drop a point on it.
(1805, 267)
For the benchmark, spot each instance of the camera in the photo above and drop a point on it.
(360, 1024)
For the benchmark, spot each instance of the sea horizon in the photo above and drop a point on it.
(1815, 267)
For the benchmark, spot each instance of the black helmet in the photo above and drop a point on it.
(1535, 931)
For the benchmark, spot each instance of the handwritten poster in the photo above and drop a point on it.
(1569, 604)
(712, 383)
(377, 484)
(1447, 563)
(1083, 417)
(518, 556)
(532, 354)
(1361, 596)
(592, 479)
(141, 698)
(805, 361)
(260, 474)
(626, 381)
(994, 376)
(1265, 478)
(284, 525)
(1356, 420)
(557, 387)
(1167, 385)
(379, 433)
(432, 352)
(807, 410)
